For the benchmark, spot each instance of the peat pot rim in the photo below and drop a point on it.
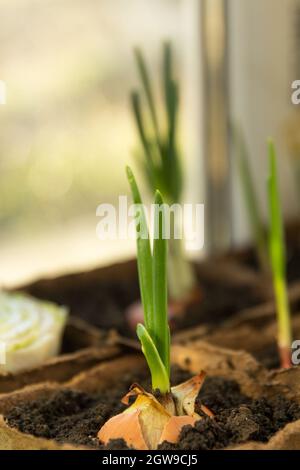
(93, 347)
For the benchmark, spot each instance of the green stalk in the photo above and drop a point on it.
(146, 82)
(171, 94)
(159, 375)
(160, 289)
(278, 262)
(254, 215)
(152, 267)
(144, 258)
(161, 163)
(137, 111)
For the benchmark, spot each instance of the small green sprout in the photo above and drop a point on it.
(278, 262)
(251, 202)
(154, 335)
(160, 162)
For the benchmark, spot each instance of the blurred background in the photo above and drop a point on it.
(66, 130)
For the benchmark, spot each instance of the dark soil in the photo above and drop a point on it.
(219, 303)
(293, 265)
(293, 260)
(76, 417)
(99, 303)
(103, 304)
(238, 418)
(256, 420)
(268, 356)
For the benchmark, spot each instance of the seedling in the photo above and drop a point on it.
(151, 419)
(252, 206)
(278, 262)
(160, 161)
(155, 334)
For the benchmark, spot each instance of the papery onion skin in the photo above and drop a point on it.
(174, 426)
(30, 331)
(130, 427)
(124, 426)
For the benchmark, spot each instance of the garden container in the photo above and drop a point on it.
(238, 390)
(82, 347)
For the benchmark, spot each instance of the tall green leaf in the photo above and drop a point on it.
(144, 256)
(161, 158)
(278, 261)
(160, 300)
(159, 374)
(277, 241)
(145, 79)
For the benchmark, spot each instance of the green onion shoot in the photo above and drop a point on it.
(154, 335)
(278, 262)
(154, 418)
(159, 157)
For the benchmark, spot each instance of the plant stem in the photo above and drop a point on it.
(159, 375)
(144, 257)
(278, 261)
(284, 323)
(146, 81)
(161, 159)
(152, 268)
(160, 289)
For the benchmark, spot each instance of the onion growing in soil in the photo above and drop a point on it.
(160, 415)
(30, 331)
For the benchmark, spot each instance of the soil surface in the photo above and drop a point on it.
(99, 303)
(76, 417)
(218, 304)
(293, 260)
(253, 421)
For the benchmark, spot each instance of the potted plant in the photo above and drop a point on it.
(158, 416)
(240, 405)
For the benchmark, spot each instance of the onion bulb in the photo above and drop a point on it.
(30, 331)
(150, 420)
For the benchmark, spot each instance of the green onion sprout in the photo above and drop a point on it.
(154, 335)
(160, 160)
(278, 262)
